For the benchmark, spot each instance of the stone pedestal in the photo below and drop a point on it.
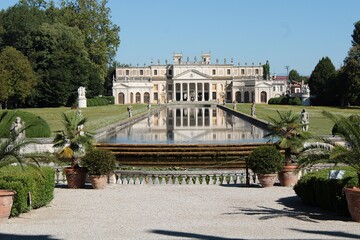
(82, 102)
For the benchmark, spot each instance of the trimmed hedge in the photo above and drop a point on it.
(39, 128)
(38, 182)
(285, 101)
(100, 101)
(316, 189)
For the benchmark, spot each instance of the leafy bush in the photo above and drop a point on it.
(39, 127)
(265, 159)
(285, 101)
(38, 182)
(100, 101)
(99, 161)
(317, 189)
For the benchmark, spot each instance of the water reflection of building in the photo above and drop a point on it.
(194, 81)
(192, 124)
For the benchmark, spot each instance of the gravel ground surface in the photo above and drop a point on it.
(178, 212)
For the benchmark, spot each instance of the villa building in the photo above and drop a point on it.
(200, 81)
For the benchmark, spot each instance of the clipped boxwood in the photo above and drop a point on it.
(39, 127)
(316, 189)
(39, 182)
(265, 159)
(98, 161)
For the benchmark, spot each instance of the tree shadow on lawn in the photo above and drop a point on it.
(293, 208)
(26, 237)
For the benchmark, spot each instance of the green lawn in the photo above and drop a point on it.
(319, 125)
(102, 116)
(98, 117)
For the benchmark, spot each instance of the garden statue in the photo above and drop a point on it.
(234, 105)
(17, 129)
(129, 109)
(304, 120)
(82, 102)
(253, 109)
(81, 92)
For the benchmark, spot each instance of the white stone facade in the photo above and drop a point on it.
(198, 81)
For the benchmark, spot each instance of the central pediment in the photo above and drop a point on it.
(191, 74)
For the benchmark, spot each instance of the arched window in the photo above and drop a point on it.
(146, 97)
(246, 97)
(131, 97)
(263, 97)
(121, 98)
(138, 97)
(238, 96)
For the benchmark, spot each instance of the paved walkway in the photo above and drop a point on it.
(178, 212)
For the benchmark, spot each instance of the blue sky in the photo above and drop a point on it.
(285, 32)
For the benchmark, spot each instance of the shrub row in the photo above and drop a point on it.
(38, 182)
(316, 189)
(285, 100)
(100, 101)
(39, 127)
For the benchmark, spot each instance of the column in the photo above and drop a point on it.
(203, 92)
(188, 85)
(196, 92)
(181, 92)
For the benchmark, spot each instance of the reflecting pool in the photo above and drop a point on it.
(189, 124)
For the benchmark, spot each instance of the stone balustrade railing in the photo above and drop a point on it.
(205, 177)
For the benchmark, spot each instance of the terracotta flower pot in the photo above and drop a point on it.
(267, 180)
(98, 182)
(353, 202)
(289, 176)
(6, 202)
(75, 177)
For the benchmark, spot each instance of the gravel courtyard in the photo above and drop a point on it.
(178, 212)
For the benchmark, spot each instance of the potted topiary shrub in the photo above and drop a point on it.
(72, 143)
(99, 163)
(266, 161)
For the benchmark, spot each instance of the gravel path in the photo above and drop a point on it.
(178, 212)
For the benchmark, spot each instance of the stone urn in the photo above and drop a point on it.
(353, 202)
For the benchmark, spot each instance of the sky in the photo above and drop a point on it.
(294, 33)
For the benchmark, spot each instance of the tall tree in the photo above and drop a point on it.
(19, 24)
(319, 79)
(16, 76)
(356, 34)
(294, 75)
(266, 70)
(62, 62)
(92, 17)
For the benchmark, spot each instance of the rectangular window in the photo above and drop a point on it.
(155, 72)
(155, 88)
(256, 71)
(156, 96)
(213, 87)
(170, 87)
(281, 88)
(228, 72)
(141, 72)
(274, 89)
(242, 71)
(213, 72)
(127, 72)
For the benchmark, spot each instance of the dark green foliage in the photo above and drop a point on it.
(39, 182)
(265, 159)
(356, 34)
(99, 161)
(285, 100)
(38, 127)
(294, 75)
(100, 101)
(319, 80)
(317, 190)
